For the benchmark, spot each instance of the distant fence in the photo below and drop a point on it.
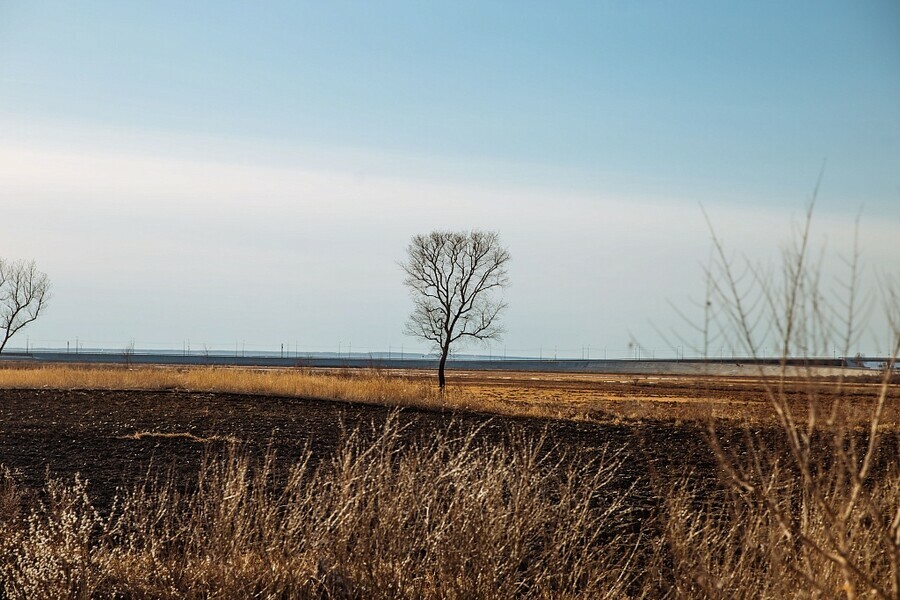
(674, 366)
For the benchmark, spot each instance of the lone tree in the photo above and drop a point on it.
(454, 278)
(24, 291)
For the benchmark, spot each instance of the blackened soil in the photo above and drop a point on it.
(114, 439)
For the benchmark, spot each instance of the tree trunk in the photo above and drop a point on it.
(441, 380)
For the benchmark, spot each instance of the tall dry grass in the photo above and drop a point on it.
(359, 386)
(813, 512)
(371, 386)
(786, 539)
(448, 517)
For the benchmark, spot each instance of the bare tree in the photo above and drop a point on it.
(453, 278)
(24, 291)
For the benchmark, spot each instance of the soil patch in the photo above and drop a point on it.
(115, 439)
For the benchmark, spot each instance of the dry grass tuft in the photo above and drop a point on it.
(444, 518)
(783, 542)
(140, 435)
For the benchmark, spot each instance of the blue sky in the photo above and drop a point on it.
(252, 171)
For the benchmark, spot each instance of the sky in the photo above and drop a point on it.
(249, 174)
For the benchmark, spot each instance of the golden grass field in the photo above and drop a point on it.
(574, 396)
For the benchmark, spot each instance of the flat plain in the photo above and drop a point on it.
(116, 437)
(142, 467)
(663, 398)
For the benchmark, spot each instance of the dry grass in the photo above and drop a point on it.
(448, 516)
(786, 543)
(651, 398)
(352, 385)
(805, 518)
(444, 518)
(140, 435)
(589, 397)
(357, 386)
(817, 515)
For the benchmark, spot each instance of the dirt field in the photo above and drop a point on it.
(605, 398)
(115, 438)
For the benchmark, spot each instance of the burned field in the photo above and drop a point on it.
(657, 426)
(211, 494)
(115, 439)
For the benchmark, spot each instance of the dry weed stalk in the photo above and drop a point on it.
(813, 509)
